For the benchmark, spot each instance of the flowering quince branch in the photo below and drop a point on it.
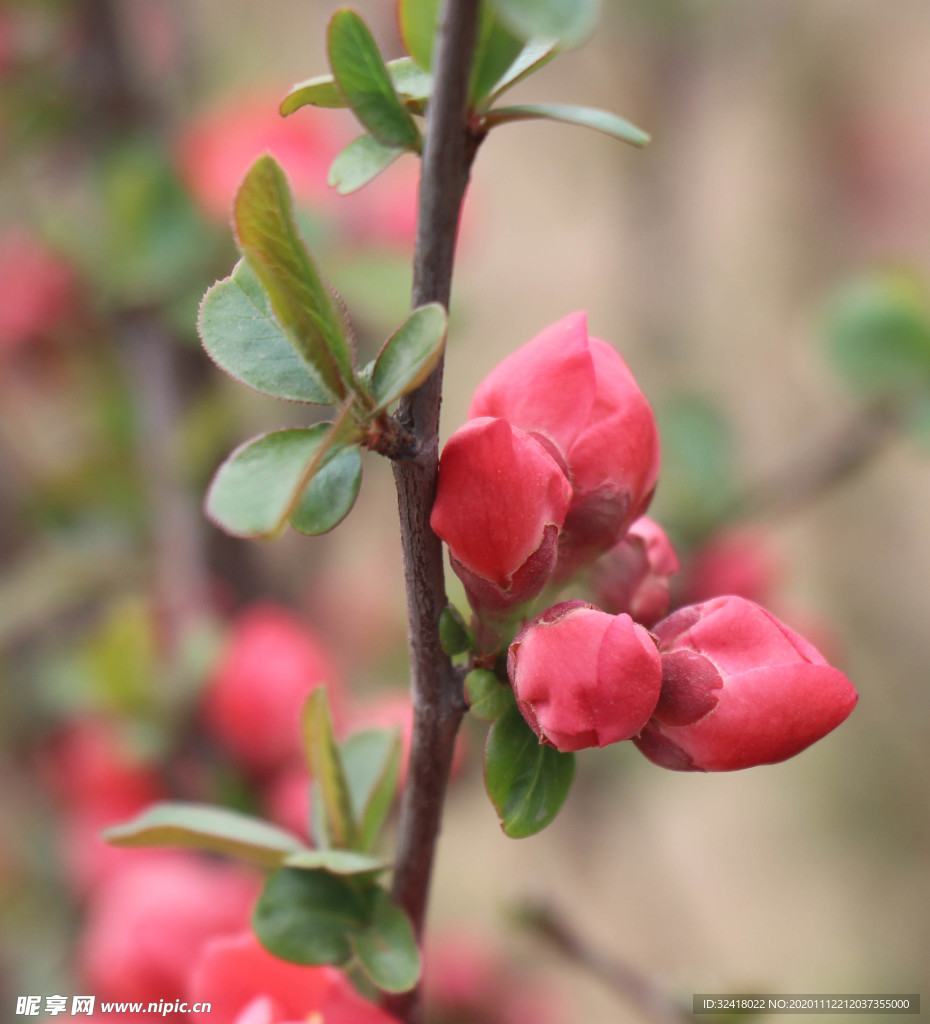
(437, 695)
(549, 480)
(546, 923)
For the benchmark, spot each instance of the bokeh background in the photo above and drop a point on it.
(783, 204)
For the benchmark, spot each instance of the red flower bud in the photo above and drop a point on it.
(739, 689)
(583, 678)
(244, 984)
(500, 504)
(255, 693)
(633, 576)
(739, 560)
(579, 398)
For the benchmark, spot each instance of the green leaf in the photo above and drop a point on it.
(487, 696)
(306, 917)
(337, 862)
(371, 760)
(526, 781)
(412, 83)
(360, 162)
(878, 334)
(387, 949)
(319, 91)
(330, 495)
(454, 636)
(410, 355)
(259, 486)
(699, 470)
(366, 83)
(584, 117)
(419, 21)
(243, 337)
(495, 51)
(569, 21)
(327, 769)
(309, 313)
(533, 56)
(205, 827)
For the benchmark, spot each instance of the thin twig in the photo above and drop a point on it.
(635, 988)
(104, 75)
(822, 466)
(437, 698)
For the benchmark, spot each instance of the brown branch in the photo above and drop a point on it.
(822, 467)
(176, 533)
(437, 697)
(543, 921)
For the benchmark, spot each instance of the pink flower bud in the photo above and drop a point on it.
(579, 398)
(739, 689)
(148, 921)
(37, 290)
(244, 984)
(583, 678)
(500, 504)
(738, 561)
(256, 692)
(633, 576)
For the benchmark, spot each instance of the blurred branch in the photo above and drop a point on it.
(176, 530)
(437, 698)
(822, 466)
(51, 581)
(176, 533)
(548, 925)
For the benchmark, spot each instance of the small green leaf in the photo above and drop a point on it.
(533, 57)
(487, 696)
(327, 769)
(307, 310)
(336, 862)
(569, 21)
(699, 466)
(495, 51)
(306, 917)
(366, 83)
(205, 827)
(454, 636)
(410, 355)
(584, 117)
(243, 337)
(413, 85)
(260, 484)
(330, 495)
(419, 21)
(372, 766)
(387, 949)
(878, 333)
(526, 781)
(360, 162)
(319, 91)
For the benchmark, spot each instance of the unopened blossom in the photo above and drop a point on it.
(633, 576)
(739, 689)
(576, 395)
(500, 504)
(584, 678)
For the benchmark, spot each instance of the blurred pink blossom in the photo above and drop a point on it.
(147, 922)
(245, 984)
(37, 290)
(256, 691)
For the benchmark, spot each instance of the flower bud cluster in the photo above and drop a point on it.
(552, 474)
(559, 457)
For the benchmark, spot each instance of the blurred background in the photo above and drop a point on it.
(763, 266)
